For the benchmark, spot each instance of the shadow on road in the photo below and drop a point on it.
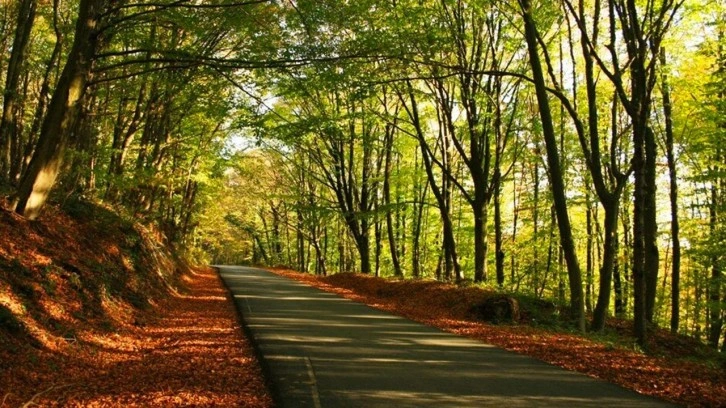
(326, 351)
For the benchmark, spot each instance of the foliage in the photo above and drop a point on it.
(397, 138)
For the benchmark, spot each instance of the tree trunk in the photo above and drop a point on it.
(618, 280)
(535, 228)
(378, 237)
(651, 225)
(498, 236)
(577, 304)
(299, 238)
(364, 251)
(418, 211)
(627, 271)
(588, 250)
(441, 193)
(639, 242)
(610, 250)
(673, 195)
(714, 283)
(62, 111)
(123, 134)
(481, 245)
(11, 99)
(388, 152)
(43, 95)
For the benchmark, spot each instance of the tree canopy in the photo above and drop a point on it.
(568, 150)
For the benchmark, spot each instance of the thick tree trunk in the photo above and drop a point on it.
(62, 111)
(11, 99)
(610, 250)
(577, 304)
(639, 241)
(651, 226)
(363, 245)
(481, 245)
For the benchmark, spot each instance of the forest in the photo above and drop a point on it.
(567, 150)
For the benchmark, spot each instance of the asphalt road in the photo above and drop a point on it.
(321, 350)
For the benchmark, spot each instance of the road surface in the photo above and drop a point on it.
(321, 350)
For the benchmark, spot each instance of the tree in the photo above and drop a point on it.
(62, 111)
(673, 195)
(577, 302)
(8, 122)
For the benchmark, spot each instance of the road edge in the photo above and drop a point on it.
(264, 365)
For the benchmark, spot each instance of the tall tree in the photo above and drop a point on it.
(11, 99)
(63, 109)
(577, 301)
(673, 195)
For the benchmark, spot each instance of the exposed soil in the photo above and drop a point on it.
(676, 369)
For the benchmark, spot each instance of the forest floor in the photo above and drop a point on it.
(95, 312)
(675, 368)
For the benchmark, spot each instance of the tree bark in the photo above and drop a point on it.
(715, 318)
(589, 251)
(650, 225)
(54, 136)
(577, 304)
(609, 258)
(673, 195)
(450, 257)
(43, 95)
(388, 152)
(11, 99)
(498, 235)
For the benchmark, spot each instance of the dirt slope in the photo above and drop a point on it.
(95, 311)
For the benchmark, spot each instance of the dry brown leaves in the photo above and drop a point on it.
(88, 317)
(193, 353)
(446, 306)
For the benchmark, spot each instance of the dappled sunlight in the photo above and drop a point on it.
(416, 399)
(182, 357)
(58, 311)
(10, 301)
(117, 309)
(91, 318)
(334, 353)
(112, 341)
(39, 333)
(203, 298)
(191, 329)
(446, 307)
